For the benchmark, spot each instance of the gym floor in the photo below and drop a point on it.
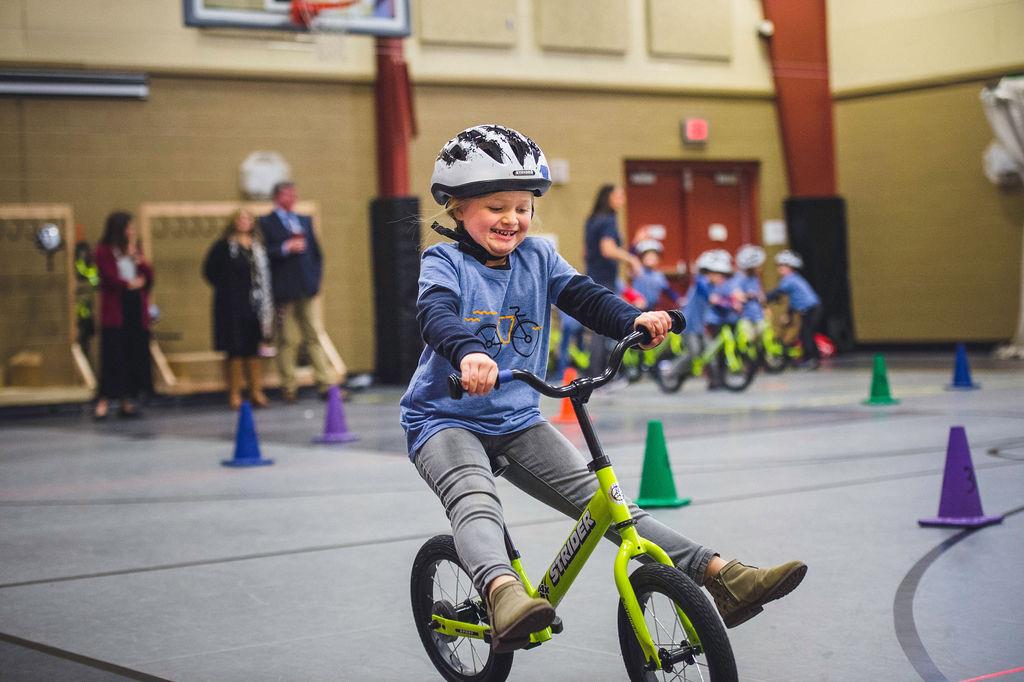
(129, 552)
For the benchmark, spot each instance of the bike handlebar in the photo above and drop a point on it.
(639, 337)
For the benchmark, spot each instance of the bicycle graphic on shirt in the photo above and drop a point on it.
(516, 330)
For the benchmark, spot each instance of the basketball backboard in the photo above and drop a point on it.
(370, 17)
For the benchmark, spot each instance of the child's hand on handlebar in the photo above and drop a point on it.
(479, 373)
(657, 323)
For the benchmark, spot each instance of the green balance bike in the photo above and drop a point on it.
(667, 629)
(737, 368)
(764, 347)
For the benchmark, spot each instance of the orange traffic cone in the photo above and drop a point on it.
(566, 415)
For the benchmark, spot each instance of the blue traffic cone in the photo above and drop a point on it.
(247, 445)
(962, 372)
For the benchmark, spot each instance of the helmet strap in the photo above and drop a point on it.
(464, 241)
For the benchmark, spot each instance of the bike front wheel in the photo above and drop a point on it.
(441, 585)
(671, 372)
(660, 590)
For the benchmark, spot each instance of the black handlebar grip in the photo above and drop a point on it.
(678, 321)
(678, 325)
(455, 389)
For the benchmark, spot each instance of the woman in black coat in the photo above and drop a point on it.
(243, 308)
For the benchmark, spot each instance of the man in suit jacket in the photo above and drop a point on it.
(296, 268)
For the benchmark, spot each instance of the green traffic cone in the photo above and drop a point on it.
(880, 394)
(657, 489)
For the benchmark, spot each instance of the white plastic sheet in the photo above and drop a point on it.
(1004, 107)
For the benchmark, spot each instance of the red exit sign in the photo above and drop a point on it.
(695, 130)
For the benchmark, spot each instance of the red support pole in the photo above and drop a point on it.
(799, 54)
(394, 119)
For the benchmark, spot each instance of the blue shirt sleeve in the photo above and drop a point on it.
(438, 309)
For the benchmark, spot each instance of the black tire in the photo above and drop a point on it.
(774, 364)
(739, 380)
(657, 586)
(670, 372)
(438, 578)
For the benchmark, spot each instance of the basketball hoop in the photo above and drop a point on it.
(304, 13)
(328, 42)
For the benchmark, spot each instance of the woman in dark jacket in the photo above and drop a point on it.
(243, 309)
(125, 281)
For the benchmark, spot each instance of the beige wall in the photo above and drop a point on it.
(596, 133)
(149, 35)
(185, 143)
(934, 247)
(879, 43)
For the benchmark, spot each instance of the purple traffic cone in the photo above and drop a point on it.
(335, 428)
(962, 372)
(247, 445)
(960, 504)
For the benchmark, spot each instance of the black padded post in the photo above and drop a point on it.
(817, 231)
(395, 239)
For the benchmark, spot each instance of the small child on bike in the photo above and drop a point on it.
(724, 304)
(487, 178)
(695, 306)
(802, 299)
(749, 259)
(651, 282)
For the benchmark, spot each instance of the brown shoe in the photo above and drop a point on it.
(254, 370)
(740, 591)
(515, 615)
(233, 370)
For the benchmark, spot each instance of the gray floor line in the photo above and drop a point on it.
(417, 536)
(95, 663)
(903, 606)
(994, 448)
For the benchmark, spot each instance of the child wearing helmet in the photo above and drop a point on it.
(650, 282)
(749, 259)
(723, 304)
(487, 177)
(802, 299)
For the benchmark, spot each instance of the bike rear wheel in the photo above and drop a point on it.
(440, 584)
(774, 363)
(738, 379)
(660, 589)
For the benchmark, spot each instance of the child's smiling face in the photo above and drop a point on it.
(498, 222)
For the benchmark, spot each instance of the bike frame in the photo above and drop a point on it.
(725, 343)
(606, 509)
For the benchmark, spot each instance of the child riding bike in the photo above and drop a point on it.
(487, 178)
(749, 259)
(802, 299)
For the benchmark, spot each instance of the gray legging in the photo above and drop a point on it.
(542, 463)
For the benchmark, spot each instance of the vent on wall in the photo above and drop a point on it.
(34, 83)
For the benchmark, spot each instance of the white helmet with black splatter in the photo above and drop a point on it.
(715, 260)
(485, 159)
(789, 258)
(750, 256)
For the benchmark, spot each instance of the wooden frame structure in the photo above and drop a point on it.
(172, 382)
(61, 213)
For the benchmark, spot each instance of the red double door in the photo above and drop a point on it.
(699, 205)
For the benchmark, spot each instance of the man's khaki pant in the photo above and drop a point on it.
(301, 321)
